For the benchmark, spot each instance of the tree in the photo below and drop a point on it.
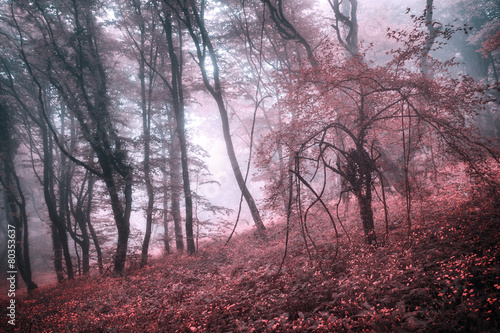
(146, 56)
(80, 207)
(192, 17)
(176, 87)
(479, 22)
(74, 64)
(345, 109)
(175, 180)
(57, 213)
(17, 217)
(32, 104)
(256, 50)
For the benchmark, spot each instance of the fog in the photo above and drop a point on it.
(217, 182)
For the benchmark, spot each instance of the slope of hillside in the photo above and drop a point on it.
(445, 279)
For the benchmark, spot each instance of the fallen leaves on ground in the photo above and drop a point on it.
(444, 278)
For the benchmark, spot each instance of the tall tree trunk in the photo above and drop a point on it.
(166, 181)
(176, 89)
(93, 233)
(17, 218)
(166, 235)
(187, 187)
(121, 213)
(59, 236)
(203, 43)
(84, 242)
(82, 208)
(175, 188)
(64, 183)
(234, 162)
(76, 70)
(14, 199)
(146, 128)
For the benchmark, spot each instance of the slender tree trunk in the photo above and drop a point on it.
(26, 261)
(187, 187)
(235, 165)
(59, 236)
(93, 233)
(64, 182)
(16, 212)
(203, 44)
(80, 78)
(166, 236)
(120, 213)
(14, 199)
(176, 89)
(81, 210)
(84, 243)
(146, 128)
(116, 174)
(166, 146)
(175, 188)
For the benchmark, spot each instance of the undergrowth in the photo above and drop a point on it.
(444, 277)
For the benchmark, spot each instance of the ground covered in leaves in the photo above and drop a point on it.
(443, 278)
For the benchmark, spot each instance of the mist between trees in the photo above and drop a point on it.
(115, 114)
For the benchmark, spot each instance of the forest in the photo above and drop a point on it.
(249, 166)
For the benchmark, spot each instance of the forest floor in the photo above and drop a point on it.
(443, 278)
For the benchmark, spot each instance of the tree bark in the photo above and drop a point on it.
(93, 233)
(203, 43)
(235, 165)
(59, 236)
(14, 199)
(366, 212)
(176, 187)
(358, 171)
(168, 184)
(146, 128)
(166, 235)
(176, 90)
